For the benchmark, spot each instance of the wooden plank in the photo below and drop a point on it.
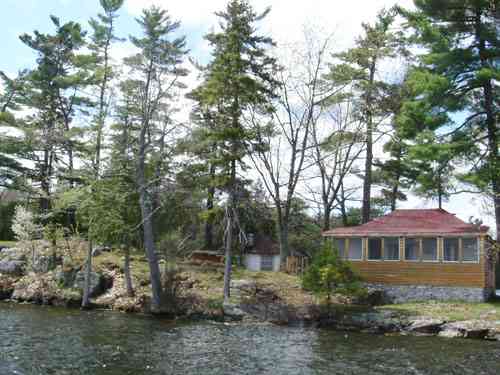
(450, 274)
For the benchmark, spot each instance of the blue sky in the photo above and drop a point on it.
(25, 16)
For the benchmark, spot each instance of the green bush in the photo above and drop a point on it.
(329, 274)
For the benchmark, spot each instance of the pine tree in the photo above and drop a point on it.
(53, 91)
(158, 68)
(455, 87)
(358, 68)
(102, 38)
(239, 77)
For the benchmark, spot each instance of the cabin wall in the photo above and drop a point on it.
(413, 280)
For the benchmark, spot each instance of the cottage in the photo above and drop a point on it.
(420, 255)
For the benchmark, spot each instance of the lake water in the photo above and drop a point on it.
(43, 340)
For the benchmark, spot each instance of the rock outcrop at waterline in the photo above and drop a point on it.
(278, 300)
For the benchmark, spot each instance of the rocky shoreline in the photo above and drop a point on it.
(251, 301)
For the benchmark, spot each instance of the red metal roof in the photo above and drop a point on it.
(408, 222)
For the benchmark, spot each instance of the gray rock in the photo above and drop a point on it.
(96, 282)
(428, 326)
(416, 293)
(12, 267)
(98, 250)
(243, 286)
(43, 264)
(472, 329)
(450, 333)
(233, 311)
(66, 277)
(13, 254)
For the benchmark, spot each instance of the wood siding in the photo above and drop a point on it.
(440, 273)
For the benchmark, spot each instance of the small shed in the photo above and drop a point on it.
(420, 254)
(262, 254)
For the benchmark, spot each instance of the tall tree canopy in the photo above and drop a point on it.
(239, 78)
(456, 86)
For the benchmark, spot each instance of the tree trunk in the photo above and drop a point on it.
(88, 276)
(231, 210)
(367, 181)
(326, 219)
(209, 235)
(283, 240)
(228, 264)
(149, 246)
(147, 225)
(126, 270)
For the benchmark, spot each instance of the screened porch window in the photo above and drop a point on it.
(429, 249)
(391, 248)
(450, 250)
(412, 247)
(339, 245)
(374, 249)
(355, 249)
(470, 250)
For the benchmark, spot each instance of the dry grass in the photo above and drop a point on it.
(8, 243)
(449, 311)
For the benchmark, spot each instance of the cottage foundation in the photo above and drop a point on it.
(414, 293)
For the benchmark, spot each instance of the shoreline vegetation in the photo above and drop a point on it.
(273, 297)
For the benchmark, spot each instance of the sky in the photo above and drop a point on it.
(285, 24)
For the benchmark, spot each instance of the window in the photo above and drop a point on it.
(412, 248)
(450, 249)
(374, 249)
(355, 249)
(391, 248)
(266, 263)
(429, 249)
(339, 245)
(470, 250)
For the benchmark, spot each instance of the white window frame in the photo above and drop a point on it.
(381, 259)
(437, 250)
(459, 258)
(362, 249)
(399, 250)
(478, 243)
(419, 250)
(342, 252)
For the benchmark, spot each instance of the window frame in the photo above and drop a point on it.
(342, 252)
(419, 249)
(436, 239)
(398, 239)
(348, 245)
(459, 249)
(478, 244)
(381, 259)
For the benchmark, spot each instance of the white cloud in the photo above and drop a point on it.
(287, 17)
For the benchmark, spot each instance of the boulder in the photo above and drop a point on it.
(96, 282)
(13, 254)
(233, 311)
(98, 250)
(43, 264)
(380, 321)
(473, 329)
(65, 277)
(12, 267)
(374, 297)
(239, 287)
(425, 326)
